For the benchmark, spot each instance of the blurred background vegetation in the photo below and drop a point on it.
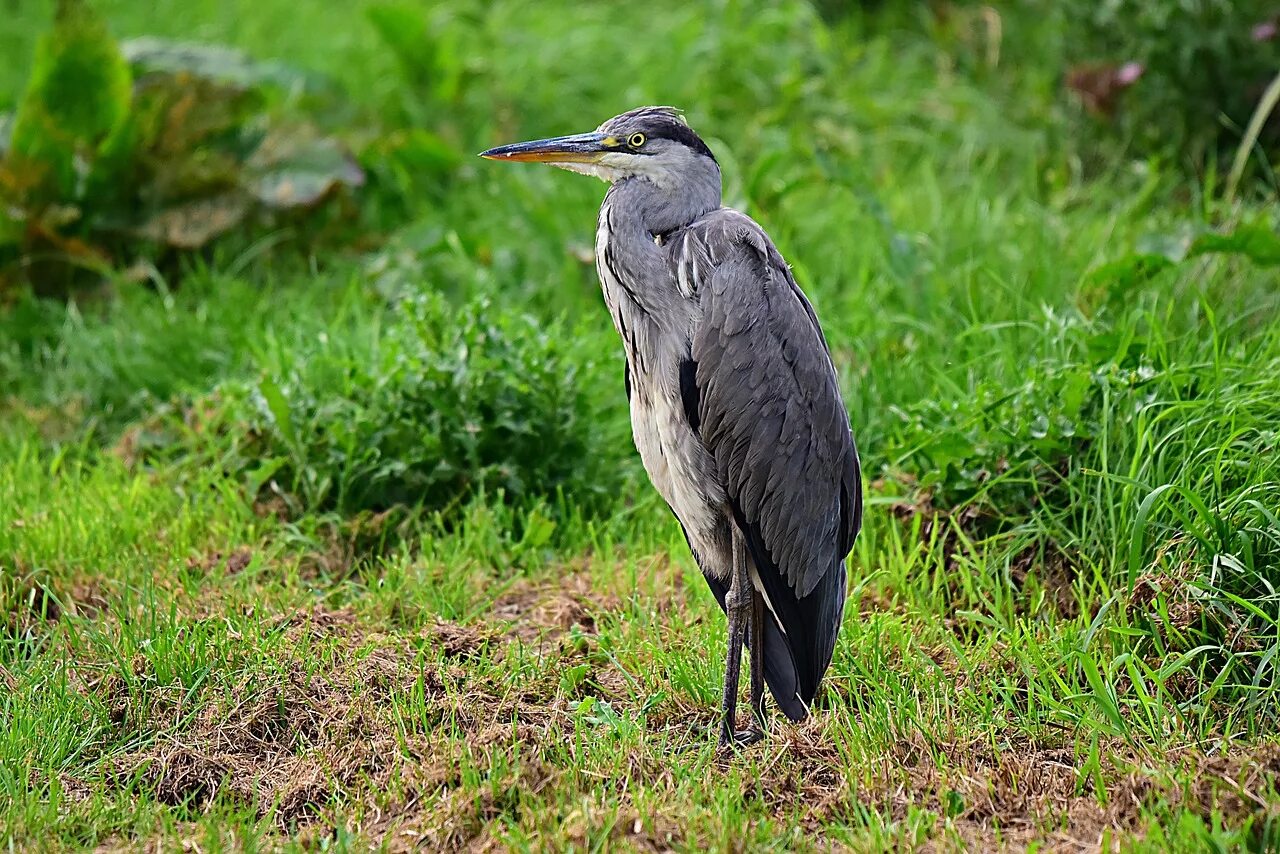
(252, 238)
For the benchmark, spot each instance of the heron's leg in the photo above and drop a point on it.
(737, 606)
(757, 658)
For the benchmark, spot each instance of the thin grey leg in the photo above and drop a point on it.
(738, 608)
(757, 659)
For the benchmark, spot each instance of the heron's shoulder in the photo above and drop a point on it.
(724, 234)
(726, 226)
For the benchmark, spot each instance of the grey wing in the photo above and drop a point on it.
(769, 409)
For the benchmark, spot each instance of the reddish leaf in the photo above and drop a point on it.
(1099, 85)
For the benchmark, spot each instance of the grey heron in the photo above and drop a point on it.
(735, 407)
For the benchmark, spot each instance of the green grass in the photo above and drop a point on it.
(225, 626)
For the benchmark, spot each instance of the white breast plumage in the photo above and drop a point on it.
(673, 455)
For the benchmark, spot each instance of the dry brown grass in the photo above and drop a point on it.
(315, 744)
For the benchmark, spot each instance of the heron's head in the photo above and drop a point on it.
(653, 143)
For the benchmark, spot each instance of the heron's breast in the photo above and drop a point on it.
(678, 464)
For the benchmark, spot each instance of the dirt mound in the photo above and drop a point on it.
(230, 563)
(291, 738)
(318, 726)
(386, 735)
(31, 604)
(546, 611)
(1013, 794)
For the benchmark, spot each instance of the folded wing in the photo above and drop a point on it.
(768, 407)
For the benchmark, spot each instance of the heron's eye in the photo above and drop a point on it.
(635, 140)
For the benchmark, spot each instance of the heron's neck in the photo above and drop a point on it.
(659, 207)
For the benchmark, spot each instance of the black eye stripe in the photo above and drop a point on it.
(681, 133)
(663, 127)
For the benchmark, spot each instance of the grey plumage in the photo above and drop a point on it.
(735, 407)
(770, 411)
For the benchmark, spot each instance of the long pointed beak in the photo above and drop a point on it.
(579, 148)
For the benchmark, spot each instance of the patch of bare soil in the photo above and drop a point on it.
(314, 740)
(228, 563)
(1020, 793)
(318, 736)
(632, 830)
(290, 740)
(457, 641)
(1054, 574)
(545, 611)
(31, 606)
(460, 819)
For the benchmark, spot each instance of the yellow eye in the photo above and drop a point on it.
(635, 140)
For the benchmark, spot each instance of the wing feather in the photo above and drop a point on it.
(770, 412)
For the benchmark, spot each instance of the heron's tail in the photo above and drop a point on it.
(795, 659)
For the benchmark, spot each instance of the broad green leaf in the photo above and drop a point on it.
(537, 531)
(1128, 272)
(178, 115)
(1257, 242)
(216, 63)
(573, 677)
(1154, 253)
(258, 476)
(291, 172)
(278, 405)
(76, 101)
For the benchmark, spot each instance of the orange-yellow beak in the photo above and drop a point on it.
(579, 148)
